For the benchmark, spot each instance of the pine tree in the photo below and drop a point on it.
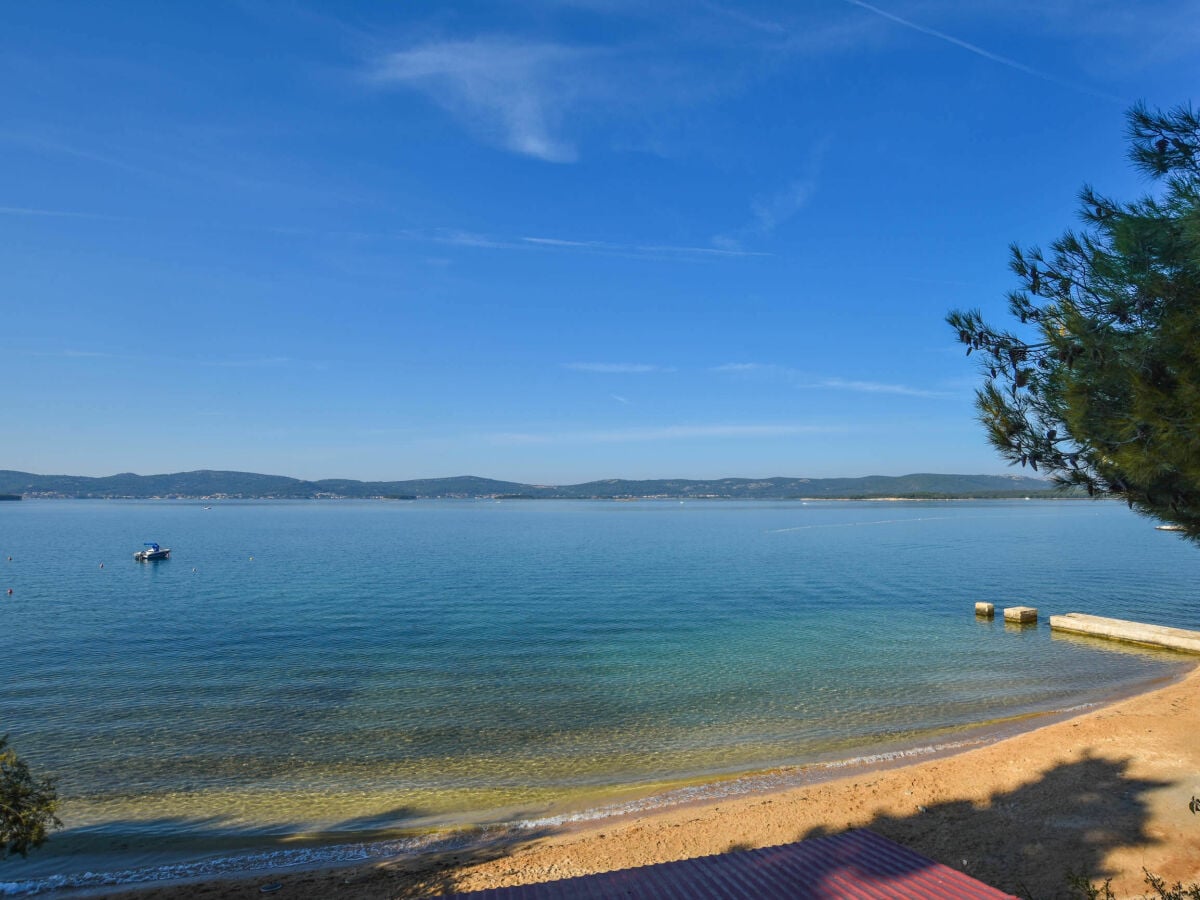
(1101, 389)
(27, 805)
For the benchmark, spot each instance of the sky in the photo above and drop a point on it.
(546, 242)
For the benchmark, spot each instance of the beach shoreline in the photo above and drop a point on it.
(1103, 792)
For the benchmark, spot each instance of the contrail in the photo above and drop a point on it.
(979, 51)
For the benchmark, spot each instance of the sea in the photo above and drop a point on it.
(314, 682)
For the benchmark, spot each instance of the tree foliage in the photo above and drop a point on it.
(27, 805)
(1102, 387)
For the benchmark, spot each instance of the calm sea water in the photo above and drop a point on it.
(339, 668)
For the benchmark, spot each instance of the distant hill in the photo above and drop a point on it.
(244, 485)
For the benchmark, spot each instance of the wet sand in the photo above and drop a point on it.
(1104, 794)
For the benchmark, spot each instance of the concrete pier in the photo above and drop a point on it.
(1131, 632)
(985, 610)
(1022, 615)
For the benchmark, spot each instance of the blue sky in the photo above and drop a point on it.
(545, 242)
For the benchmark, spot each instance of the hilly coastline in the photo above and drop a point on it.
(208, 484)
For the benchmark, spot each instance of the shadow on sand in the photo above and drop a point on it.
(1028, 842)
(1031, 840)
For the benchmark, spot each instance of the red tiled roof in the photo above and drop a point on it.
(856, 865)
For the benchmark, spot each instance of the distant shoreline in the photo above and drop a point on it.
(916, 498)
(213, 485)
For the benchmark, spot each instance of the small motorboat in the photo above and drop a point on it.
(1170, 526)
(152, 551)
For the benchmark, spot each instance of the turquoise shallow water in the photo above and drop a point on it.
(345, 667)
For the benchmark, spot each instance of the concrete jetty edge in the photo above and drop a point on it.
(1131, 632)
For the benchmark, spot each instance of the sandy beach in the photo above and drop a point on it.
(1105, 794)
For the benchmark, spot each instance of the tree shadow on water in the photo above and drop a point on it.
(379, 855)
(1029, 841)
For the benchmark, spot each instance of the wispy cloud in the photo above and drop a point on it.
(453, 237)
(664, 433)
(515, 93)
(260, 362)
(624, 401)
(541, 98)
(747, 368)
(742, 18)
(806, 380)
(266, 362)
(617, 368)
(980, 51)
(570, 245)
(774, 208)
(877, 387)
(458, 238)
(83, 354)
(42, 143)
(55, 213)
(639, 249)
(699, 251)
